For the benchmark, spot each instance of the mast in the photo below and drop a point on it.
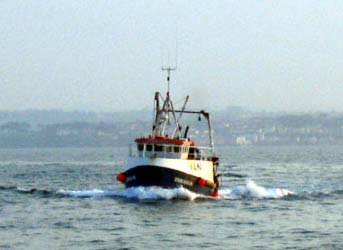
(157, 115)
(178, 128)
(167, 105)
(162, 114)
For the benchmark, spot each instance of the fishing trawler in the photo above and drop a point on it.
(167, 157)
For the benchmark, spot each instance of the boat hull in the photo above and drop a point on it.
(152, 175)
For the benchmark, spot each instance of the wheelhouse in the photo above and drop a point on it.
(164, 147)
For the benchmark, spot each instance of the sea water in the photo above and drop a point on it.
(67, 198)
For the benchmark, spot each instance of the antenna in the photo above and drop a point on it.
(168, 69)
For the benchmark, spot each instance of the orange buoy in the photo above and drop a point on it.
(121, 177)
(215, 194)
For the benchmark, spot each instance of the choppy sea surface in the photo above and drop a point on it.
(67, 198)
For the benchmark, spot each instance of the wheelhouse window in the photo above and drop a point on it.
(140, 147)
(149, 147)
(158, 148)
(176, 149)
(168, 148)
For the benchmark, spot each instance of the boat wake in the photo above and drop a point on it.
(254, 191)
(139, 193)
(248, 191)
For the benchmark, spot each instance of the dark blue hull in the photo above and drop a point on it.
(168, 178)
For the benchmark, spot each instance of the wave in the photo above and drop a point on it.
(18, 163)
(140, 193)
(41, 192)
(239, 192)
(252, 190)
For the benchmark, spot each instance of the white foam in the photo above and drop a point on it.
(252, 190)
(157, 193)
(21, 189)
(141, 193)
(87, 193)
(249, 190)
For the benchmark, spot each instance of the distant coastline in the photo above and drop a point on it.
(234, 126)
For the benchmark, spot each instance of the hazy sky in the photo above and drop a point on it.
(107, 55)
